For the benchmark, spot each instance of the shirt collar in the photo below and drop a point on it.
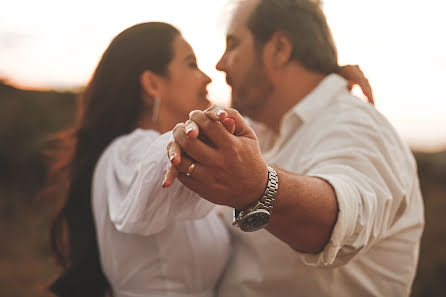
(318, 99)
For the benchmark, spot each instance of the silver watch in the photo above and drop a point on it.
(258, 215)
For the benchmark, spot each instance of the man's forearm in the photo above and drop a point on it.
(305, 212)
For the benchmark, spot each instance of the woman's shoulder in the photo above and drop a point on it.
(133, 145)
(128, 149)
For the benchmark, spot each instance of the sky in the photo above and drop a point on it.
(400, 45)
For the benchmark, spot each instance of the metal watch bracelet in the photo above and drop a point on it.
(267, 199)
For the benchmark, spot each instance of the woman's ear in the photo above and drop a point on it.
(151, 86)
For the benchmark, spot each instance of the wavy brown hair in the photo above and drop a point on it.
(109, 107)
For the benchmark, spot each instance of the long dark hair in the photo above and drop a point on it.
(109, 107)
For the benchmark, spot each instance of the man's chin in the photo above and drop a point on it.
(239, 106)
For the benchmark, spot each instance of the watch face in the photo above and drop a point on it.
(255, 220)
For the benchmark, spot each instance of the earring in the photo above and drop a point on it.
(155, 109)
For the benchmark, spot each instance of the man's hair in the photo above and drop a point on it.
(305, 25)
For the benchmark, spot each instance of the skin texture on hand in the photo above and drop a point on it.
(192, 130)
(232, 170)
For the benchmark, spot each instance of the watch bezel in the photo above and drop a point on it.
(248, 216)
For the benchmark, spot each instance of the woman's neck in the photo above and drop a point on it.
(165, 122)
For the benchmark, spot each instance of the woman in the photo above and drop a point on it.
(113, 233)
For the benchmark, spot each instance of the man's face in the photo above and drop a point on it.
(243, 65)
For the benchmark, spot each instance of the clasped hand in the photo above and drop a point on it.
(229, 167)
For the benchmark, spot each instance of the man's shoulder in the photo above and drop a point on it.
(348, 119)
(347, 110)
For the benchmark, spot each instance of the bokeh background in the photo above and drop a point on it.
(49, 49)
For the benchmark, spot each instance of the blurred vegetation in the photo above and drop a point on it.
(26, 119)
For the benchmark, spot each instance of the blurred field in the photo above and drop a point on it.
(26, 117)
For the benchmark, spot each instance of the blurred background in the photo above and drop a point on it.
(49, 49)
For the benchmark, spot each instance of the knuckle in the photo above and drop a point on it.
(193, 114)
(209, 109)
(178, 129)
(207, 124)
(198, 117)
(186, 144)
(234, 112)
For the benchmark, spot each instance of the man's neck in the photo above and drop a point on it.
(290, 88)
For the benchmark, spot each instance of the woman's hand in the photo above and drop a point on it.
(355, 76)
(191, 129)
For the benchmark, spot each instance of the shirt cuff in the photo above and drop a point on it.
(336, 252)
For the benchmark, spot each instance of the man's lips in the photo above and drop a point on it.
(228, 80)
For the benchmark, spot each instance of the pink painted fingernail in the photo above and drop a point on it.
(220, 113)
(172, 157)
(189, 130)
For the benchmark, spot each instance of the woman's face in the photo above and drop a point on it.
(184, 88)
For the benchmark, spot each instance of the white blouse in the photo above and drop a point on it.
(153, 241)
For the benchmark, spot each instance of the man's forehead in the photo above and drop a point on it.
(241, 14)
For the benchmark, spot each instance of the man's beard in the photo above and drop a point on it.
(253, 93)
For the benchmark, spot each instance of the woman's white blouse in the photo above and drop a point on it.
(153, 241)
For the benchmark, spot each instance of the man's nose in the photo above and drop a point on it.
(221, 65)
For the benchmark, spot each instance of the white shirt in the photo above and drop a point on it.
(153, 241)
(373, 250)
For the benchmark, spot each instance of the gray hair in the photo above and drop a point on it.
(305, 25)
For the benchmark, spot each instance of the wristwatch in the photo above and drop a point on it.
(257, 216)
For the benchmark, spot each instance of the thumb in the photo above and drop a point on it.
(229, 124)
(242, 127)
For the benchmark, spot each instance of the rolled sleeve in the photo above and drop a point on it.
(369, 191)
(336, 252)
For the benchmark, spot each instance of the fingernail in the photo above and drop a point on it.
(164, 185)
(233, 119)
(189, 129)
(220, 113)
(172, 157)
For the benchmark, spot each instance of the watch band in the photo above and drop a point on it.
(271, 189)
(265, 202)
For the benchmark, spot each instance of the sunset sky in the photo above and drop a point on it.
(400, 45)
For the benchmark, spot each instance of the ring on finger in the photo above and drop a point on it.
(191, 169)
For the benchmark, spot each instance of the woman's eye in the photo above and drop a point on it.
(193, 65)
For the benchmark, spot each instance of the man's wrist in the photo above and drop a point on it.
(258, 215)
(251, 197)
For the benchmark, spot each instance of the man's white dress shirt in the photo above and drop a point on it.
(373, 250)
(154, 242)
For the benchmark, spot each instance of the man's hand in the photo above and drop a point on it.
(231, 169)
(192, 130)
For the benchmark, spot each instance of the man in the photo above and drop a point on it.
(335, 196)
